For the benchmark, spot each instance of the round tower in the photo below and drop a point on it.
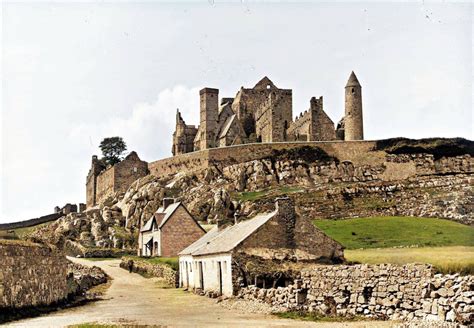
(353, 121)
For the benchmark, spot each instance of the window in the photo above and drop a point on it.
(135, 169)
(353, 91)
(268, 86)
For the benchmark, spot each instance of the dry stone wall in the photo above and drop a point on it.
(159, 270)
(31, 275)
(384, 291)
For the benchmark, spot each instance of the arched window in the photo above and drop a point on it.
(353, 91)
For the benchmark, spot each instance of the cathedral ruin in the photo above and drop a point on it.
(264, 113)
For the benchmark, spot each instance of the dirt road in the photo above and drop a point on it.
(132, 299)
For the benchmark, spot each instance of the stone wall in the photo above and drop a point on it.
(384, 291)
(31, 222)
(31, 275)
(116, 179)
(356, 152)
(170, 275)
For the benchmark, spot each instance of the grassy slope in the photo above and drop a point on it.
(447, 259)
(397, 231)
(173, 262)
(454, 241)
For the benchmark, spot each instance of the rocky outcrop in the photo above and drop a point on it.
(396, 178)
(382, 291)
(96, 228)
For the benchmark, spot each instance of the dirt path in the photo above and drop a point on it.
(132, 299)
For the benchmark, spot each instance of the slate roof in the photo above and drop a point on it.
(160, 217)
(225, 240)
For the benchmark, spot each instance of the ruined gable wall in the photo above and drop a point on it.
(31, 275)
(178, 233)
(126, 172)
(273, 117)
(118, 178)
(322, 127)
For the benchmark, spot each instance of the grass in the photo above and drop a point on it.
(448, 259)
(19, 233)
(173, 262)
(311, 316)
(383, 232)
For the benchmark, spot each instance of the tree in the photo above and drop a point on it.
(112, 150)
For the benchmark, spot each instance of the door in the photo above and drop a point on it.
(201, 276)
(219, 276)
(187, 275)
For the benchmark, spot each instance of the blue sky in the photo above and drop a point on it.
(74, 73)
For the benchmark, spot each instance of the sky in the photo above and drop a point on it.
(74, 73)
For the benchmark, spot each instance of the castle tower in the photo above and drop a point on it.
(353, 121)
(209, 113)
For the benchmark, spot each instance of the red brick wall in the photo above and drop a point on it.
(179, 232)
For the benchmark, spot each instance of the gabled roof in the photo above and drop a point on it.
(148, 225)
(227, 125)
(168, 212)
(225, 240)
(353, 81)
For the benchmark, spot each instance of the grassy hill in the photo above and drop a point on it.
(447, 245)
(381, 232)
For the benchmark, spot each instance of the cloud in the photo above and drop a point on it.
(149, 127)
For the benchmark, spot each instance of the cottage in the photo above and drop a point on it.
(170, 229)
(258, 251)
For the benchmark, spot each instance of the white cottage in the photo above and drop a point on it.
(222, 260)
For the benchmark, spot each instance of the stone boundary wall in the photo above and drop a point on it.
(31, 222)
(31, 275)
(354, 151)
(384, 291)
(164, 271)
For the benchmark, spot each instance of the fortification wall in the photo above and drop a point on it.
(31, 222)
(31, 275)
(386, 291)
(355, 151)
(105, 184)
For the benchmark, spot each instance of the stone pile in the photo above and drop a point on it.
(82, 278)
(386, 291)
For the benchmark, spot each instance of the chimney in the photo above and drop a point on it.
(287, 219)
(167, 202)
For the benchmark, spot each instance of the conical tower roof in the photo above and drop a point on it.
(353, 81)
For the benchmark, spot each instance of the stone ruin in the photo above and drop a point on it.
(264, 113)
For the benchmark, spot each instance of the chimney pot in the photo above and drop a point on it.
(167, 202)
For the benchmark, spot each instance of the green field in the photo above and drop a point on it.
(447, 245)
(446, 259)
(382, 232)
